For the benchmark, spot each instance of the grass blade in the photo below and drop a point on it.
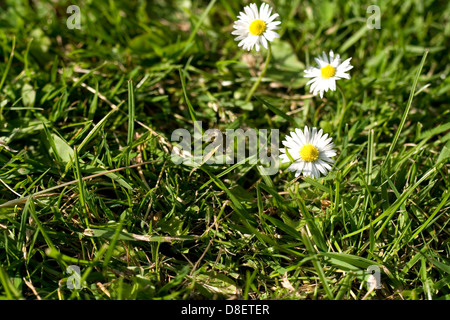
(131, 112)
(277, 111)
(8, 65)
(393, 208)
(81, 188)
(406, 112)
(197, 27)
(95, 130)
(10, 290)
(431, 217)
(317, 265)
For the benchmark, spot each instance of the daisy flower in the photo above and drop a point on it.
(330, 70)
(255, 28)
(310, 150)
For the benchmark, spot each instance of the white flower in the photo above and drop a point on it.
(310, 150)
(330, 70)
(256, 27)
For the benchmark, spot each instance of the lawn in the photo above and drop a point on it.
(94, 205)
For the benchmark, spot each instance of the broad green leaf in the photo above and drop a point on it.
(28, 95)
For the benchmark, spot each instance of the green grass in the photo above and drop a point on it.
(86, 118)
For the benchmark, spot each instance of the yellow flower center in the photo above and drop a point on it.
(309, 153)
(257, 27)
(328, 71)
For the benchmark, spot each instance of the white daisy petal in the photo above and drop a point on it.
(293, 142)
(301, 136)
(320, 62)
(263, 10)
(272, 17)
(306, 133)
(284, 158)
(330, 69)
(313, 135)
(330, 153)
(312, 73)
(250, 13)
(311, 150)
(314, 80)
(326, 159)
(255, 27)
(332, 84)
(319, 136)
(271, 35)
(264, 42)
(273, 25)
(315, 86)
(324, 57)
(326, 141)
(336, 62)
(321, 169)
(296, 166)
(324, 164)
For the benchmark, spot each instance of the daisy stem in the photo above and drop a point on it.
(263, 72)
(340, 111)
(344, 102)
